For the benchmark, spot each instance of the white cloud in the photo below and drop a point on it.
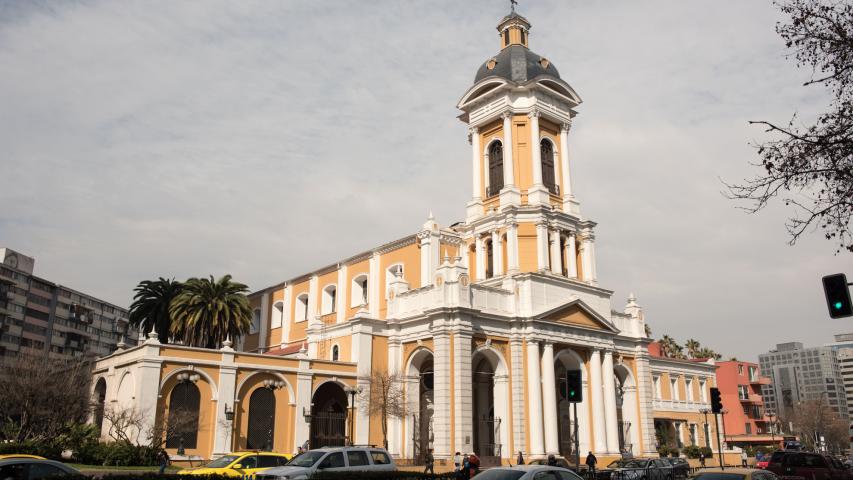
(264, 139)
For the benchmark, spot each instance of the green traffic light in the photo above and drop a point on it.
(837, 305)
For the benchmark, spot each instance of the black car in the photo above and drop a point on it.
(35, 469)
(680, 467)
(638, 469)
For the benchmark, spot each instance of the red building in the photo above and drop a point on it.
(745, 420)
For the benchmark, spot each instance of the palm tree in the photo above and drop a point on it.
(208, 311)
(692, 348)
(648, 330)
(669, 346)
(150, 308)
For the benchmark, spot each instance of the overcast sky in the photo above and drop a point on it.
(266, 139)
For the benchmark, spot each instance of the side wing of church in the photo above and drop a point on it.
(483, 321)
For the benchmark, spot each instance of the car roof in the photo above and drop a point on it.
(737, 470)
(527, 468)
(10, 461)
(340, 449)
(257, 453)
(20, 455)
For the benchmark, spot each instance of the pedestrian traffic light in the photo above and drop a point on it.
(837, 295)
(574, 390)
(716, 400)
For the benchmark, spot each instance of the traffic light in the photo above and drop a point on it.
(574, 386)
(837, 295)
(716, 400)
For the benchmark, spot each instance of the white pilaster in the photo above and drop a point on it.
(222, 443)
(588, 257)
(147, 391)
(443, 380)
(509, 167)
(512, 247)
(302, 430)
(497, 254)
(542, 246)
(556, 264)
(313, 297)
(537, 194)
(518, 408)
(571, 258)
(395, 424)
(476, 169)
(549, 400)
(264, 330)
(480, 254)
(373, 286)
(286, 317)
(564, 160)
(644, 393)
(363, 369)
(599, 427)
(610, 416)
(463, 393)
(341, 295)
(534, 395)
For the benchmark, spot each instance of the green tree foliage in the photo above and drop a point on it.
(812, 164)
(206, 312)
(150, 307)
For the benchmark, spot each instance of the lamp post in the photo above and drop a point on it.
(772, 433)
(229, 416)
(352, 391)
(705, 430)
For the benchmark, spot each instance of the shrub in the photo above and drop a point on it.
(692, 451)
(663, 451)
(707, 452)
(123, 454)
(673, 452)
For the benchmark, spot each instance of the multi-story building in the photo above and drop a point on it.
(746, 421)
(798, 374)
(681, 400)
(38, 316)
(843, 347)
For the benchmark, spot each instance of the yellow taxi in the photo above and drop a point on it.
(20, 455)
(240, 464)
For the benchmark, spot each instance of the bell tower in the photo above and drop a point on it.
(519, 114)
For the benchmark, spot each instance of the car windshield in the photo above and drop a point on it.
(222, 462)
(618, 463)
(500, 475)
(719, 476)
(306, 459)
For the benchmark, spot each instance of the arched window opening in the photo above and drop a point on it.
(184, 404)
(277, 314)
(496, 169)
(359, 291)
(490, 257)
(261, 429)
(256, 321)
(548, 175)
(302, 307)
(336, 353)
(100, 401)
(330, 295)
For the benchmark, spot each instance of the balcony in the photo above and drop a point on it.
(750, 398)
(759, 381)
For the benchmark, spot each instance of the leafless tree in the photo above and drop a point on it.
(385, 397)
(40, 397)
(812, 165)
(124, 424)
(816, 417)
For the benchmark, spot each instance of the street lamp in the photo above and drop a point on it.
(352, 391)
(273, 384)
(229, 414)
(706, 430)
(772, 433)
(184, 377)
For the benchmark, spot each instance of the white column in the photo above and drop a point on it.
(599, 428)
(373, 286)
(509, 172)
(313, 294)
(363, 348)
(564, 160)
(443, 380)
(286, 317)
(341, 295)
(571, 259)
(518, 411)
(534, 393)
(497, 253)
(536, 153)
(502, 400)
(302, 430)
(556, 264)
(463, 393)
(542, 246)
(395, 424)
(480, 254)
(512, 247)
(222, 443)
(610, 417)
(588, 257)
(590, 249)
(264, 327)
(549, 400)
(476, 169)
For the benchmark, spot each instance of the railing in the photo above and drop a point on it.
(680, 405)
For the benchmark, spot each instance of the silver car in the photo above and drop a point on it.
(528, 472)
(340, 459)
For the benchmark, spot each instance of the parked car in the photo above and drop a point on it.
(34, 469)
(20, 455)
(734, 474)
(638, 469)
(785, 463)
(561, 462)
(680, 467)
(528, 472)
(239, 464)
(338, 459)
(762, 464)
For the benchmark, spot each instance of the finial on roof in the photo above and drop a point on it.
(512, 4)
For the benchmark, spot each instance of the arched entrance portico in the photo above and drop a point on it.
(626, 410)
(565, 361)
(489, 405)
(328, 416)
(420, 384)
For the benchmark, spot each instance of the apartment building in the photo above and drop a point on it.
(843, 347)
(746, 419)
(38, 316)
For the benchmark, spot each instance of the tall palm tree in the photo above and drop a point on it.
(692, 348)
(209, 311)
(669, 347)
(150, 307)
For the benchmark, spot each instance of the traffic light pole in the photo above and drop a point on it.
(577, 447)
(719, 446)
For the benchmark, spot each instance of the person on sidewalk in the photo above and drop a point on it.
(590, 463)
(744, 458)
(520, 460)
(457, 461)
(702, 459)
(163, 460)
(429, 460)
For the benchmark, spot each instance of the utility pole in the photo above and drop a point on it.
(719, 446)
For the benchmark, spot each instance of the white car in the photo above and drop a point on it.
(528, 472)
(340, 459)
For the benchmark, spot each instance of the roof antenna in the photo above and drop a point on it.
(512, 4)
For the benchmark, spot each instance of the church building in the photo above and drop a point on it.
(483, 321)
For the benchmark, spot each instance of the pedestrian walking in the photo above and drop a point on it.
(474, 462)
(465, 471)
(520, 460)
(743, 458)
(457, 461)
(590, 463)
(163, 460)
(702, 459)
(429, 460)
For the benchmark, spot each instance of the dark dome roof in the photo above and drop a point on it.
(518, 64)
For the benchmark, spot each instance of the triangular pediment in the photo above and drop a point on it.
(578, 313)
